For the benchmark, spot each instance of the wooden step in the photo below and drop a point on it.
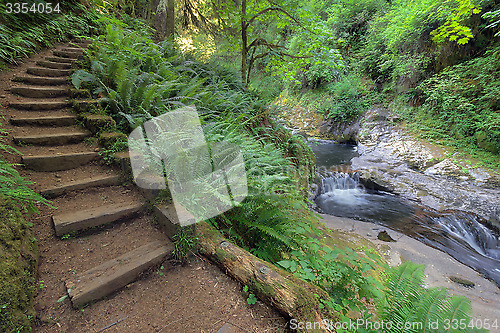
(72, 49)
(67, 54)
(40, 92)
(54, 65)
(65, 120)
(85, 219)
(40, 80)
(39, 106)
(61, 60)
(81, 184)
(48, 71)
(58, 162)
(115, 274)
(52, 139)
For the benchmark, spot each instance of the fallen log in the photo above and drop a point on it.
(285, 292)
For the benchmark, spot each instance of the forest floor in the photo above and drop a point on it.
(169, 297)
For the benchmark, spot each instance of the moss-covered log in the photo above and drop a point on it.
(287, 293)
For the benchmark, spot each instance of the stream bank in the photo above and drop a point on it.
(422, 171)
(440, 267)
(389, 168)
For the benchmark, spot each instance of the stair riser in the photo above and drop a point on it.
(62, 121)
(72, 50)
(57, 191)
(115, 274)
(78, 221)
(43, 81)
(66, 54)
(61, 60)
(53, 65)
(48, 72)
(57, 162)
(43, 106)
(50, 140)
(40, 93)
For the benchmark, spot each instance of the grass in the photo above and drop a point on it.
(18, 262)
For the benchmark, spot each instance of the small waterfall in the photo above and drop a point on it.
(341, 188)
(469, 229)
(464, 236)
(460, 234)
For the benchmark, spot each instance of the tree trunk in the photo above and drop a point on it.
(244, 42)
(287, 293)
(159, 19)
(170, 20)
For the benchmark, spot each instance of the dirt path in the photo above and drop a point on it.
(164, 297)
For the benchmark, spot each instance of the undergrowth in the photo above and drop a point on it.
(137, 80)
(460, 105)
(23, 34)
(18, 257)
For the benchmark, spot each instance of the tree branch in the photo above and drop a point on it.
(262, 42)
(275, 8)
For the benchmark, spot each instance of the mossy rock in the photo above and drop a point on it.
(18, 262)
(97, 123)
(107, 139)
(464, 282)
(483, 142)
(80, 93)
(89, 105)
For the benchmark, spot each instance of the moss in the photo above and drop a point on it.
(108, 139)
(98, 123)
(18, 262)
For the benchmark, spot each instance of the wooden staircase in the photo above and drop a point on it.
(47, 134)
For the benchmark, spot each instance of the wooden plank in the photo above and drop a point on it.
(84, 219)
(58, 162)
(81, 184)
(104, 279)
(52, 139)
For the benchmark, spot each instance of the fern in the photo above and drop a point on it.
(407, 301)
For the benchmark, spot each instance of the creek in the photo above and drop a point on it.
(463, 235)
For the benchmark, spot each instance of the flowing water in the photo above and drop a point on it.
(463, 235)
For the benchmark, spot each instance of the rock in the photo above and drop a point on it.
(341, 132)
(446, 168)
(384, 236)
(464, 282)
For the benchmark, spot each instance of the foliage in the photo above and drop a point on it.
(139, 80)
(107, 154)
(315, 58)
(344, 273)
(13, 185)
(494, 18)
(18, 261)
(460, 104)
(349, 20)
(406, 301)
(251, 298)
(348, 99)
(22, 34)
(185, 242)
(260, 31)
(452, 29)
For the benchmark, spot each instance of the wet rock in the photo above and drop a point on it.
(341, 132)
(384, 236)
(391, 159)
(464, 282)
